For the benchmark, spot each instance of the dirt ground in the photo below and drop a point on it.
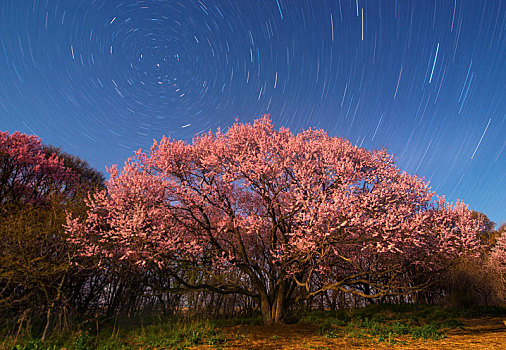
(479, 333)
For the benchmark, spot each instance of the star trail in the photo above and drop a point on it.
(426, 79)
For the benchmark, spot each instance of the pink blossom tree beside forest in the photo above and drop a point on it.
(277, 216)
(39, 185)
(28, 173)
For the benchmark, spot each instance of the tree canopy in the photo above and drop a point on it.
(38, 186)
(27, 173)
(277, 216)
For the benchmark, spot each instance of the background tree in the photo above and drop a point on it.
(87, 177)
(498, 256)
(475, 281)
(275, 216)
(487, 233)
(38, 186)
(28, 173)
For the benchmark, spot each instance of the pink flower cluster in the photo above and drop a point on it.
(267, 202)
(28, 173)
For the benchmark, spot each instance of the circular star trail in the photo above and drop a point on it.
(426, 79)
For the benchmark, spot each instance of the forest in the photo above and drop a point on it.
(251, 223)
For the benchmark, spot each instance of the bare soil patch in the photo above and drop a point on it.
(477, 333)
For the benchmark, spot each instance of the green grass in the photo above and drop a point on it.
(169, 334)
(385, 322)
(378, 322)
(145, 333)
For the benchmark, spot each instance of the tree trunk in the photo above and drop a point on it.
(48, 318)
(265, 308)
(273, 308)
(278, 310)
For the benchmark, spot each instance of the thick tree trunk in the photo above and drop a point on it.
(273, 308)
(265, 308)
(278, 307)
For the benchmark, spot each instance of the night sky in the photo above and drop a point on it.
(424, 78)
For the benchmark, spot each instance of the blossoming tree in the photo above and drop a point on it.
(28, 174)
(276, 216)
(38, 185)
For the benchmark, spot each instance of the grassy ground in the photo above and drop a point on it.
(376, 326)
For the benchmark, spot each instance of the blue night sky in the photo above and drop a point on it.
(425, 78)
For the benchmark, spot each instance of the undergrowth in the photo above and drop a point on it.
(390, 323)
(169, 334)
(387, 322)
